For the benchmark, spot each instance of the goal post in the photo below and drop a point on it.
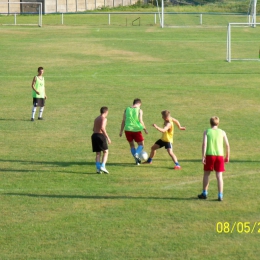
(246, 40)
(18, 9)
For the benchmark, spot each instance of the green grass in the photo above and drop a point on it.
(54, 206)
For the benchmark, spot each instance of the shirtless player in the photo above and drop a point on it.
(100, 139)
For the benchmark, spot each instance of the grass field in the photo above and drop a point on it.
(54, 205)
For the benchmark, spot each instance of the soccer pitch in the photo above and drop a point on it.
(54, 205)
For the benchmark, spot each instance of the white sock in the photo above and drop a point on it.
(41, 111)
(33, 112)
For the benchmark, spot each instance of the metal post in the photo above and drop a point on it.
(62, 18)
(229, 43)
(200, 19)
(15, 19)
(162, 13)
(108, 19)
(40, 15)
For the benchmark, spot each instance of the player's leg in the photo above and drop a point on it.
(138, 138)
(153, 153)
(219, 167)
(220, 185)
(98, 161)
(130, 139)
(40, 113)
(140, 147)
(104, 161)
(208, 167)
(204, 193)
(41, 104)
(34, 109)
(173, 156)
(132, 147)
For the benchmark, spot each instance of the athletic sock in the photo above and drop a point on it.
(41, 111)
(133, 151)
(177, 164)
(204, 192)
(98, 165)
(103, 165)
(139, 149)
(149, 160)
(220, 195)
(33, 112)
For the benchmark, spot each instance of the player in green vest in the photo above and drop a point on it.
(38, 93)
(213, 156)
(133, 124)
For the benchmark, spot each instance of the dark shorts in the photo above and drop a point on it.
(161, 143)
(214, 163)
(137, 136)
(99, 142)
(38, 102)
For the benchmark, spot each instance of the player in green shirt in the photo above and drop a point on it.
(213, 156)
(38, 93)
(133, 125)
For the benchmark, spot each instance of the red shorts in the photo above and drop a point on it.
(214, 163)
(137, 136)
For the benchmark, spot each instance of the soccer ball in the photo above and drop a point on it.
(143, 156)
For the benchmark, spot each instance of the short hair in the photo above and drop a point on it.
(137, 101)
(103, 110)
(214, 121)
(40, 68)
(165, 113)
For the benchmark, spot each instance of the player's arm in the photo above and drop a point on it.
(163, 130)
(177, 123)
(33, 86)
(227, 147)
(141, 120)
(122, 125)
(103, 129)
(204, 147)
(45, 96)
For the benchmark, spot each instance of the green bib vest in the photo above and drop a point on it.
(132, 122)
(214, 142)
(39, 86)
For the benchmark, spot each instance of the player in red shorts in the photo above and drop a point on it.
(213, 156)
(133, 125)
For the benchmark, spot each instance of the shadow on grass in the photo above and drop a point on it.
(94, 197)
(64, 164)
(14, 119)
(44, 171)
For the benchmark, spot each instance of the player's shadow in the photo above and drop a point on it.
(14, 119)
(51, 196)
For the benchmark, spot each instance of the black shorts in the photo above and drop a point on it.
(161, 143)
(38, 102)
(99, 142)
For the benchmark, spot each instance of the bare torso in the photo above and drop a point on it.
(99, 123)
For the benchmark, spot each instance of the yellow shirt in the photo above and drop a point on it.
(168, 135)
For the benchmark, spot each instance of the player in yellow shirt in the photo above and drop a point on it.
(167, 138)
